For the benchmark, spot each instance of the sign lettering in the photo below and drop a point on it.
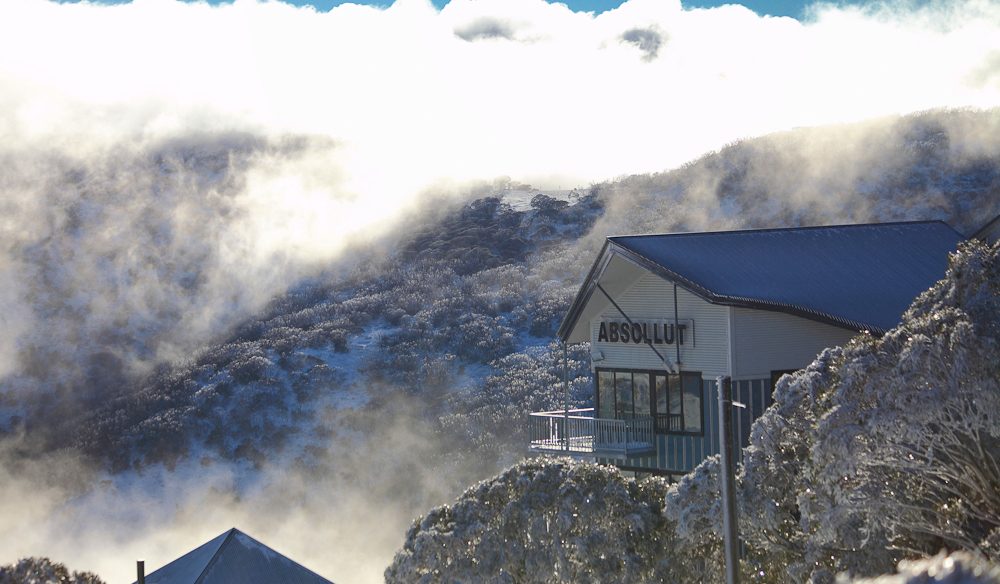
(657, 332)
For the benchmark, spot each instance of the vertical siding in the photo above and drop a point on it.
(712, 409)
(679, 453)
(652, 298)
(757, 401)
(765, 341)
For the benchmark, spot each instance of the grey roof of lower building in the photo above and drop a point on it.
(234, 558)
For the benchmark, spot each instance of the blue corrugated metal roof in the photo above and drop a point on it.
(188, 567)
(858, 276)
(234, 558)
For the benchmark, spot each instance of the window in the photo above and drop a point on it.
(623, 392)
(606, 394)
(673, 400)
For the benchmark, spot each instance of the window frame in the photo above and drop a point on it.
(652, 373)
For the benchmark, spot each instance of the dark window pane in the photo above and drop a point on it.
(692, 403)
(623, 385)
(640, 382)
(675, 412)
(675, 395)
(660, 402)
(660, 382)
(606, 394)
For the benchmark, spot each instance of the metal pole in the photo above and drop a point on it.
(140, 571)
(566, 396)
(727, 484)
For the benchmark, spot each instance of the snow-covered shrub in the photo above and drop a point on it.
(694, 507)
(885, 449)
(957, 568)
(551, 520)
(912, 441)
(482, 338)
(491, 419)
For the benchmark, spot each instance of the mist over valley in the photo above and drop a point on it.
(371, 388)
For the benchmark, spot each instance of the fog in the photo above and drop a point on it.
(167, 168)
(485, 88)
(341, 511)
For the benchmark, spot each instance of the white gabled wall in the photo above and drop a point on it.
(652, 298)
(765, 341)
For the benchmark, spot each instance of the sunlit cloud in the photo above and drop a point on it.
(484, 88)
(389, 103)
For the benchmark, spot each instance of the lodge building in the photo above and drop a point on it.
(666, 315)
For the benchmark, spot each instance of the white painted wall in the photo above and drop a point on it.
(652, 298)
(765, 341)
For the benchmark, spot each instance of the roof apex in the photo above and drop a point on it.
(233, 557)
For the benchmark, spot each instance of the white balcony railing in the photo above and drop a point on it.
(579, 432)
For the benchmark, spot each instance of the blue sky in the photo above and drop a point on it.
(793, 8)
(773, 7)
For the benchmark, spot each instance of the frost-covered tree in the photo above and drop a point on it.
(43, 571)
(885, 449)
(956, 568)
(910, 450)
(694, 507)
(543, 520)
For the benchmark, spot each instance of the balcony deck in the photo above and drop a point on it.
(578, 433)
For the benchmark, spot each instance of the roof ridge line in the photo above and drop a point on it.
(796, 228)
(215, 556)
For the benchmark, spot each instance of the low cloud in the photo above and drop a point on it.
(341, 510)
(647, 40)
(407, 96)
(486, 28)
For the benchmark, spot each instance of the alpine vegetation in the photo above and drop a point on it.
(43, 571)
(955, 568)
(543, 521)
(882, 450)
(378, 384)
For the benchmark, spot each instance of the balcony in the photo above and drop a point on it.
(578, 433)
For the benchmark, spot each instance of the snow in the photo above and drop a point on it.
(520, 199)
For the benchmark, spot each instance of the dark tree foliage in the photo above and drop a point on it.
(43, 571)
(460, 292)
(543, 521)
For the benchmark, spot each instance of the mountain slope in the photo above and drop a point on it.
(396, 374)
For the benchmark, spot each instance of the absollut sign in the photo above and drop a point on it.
(657, 332)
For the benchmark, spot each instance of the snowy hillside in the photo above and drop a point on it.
(400, 370)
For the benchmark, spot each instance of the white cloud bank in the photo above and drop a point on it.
(160, 253)
(488, 87)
